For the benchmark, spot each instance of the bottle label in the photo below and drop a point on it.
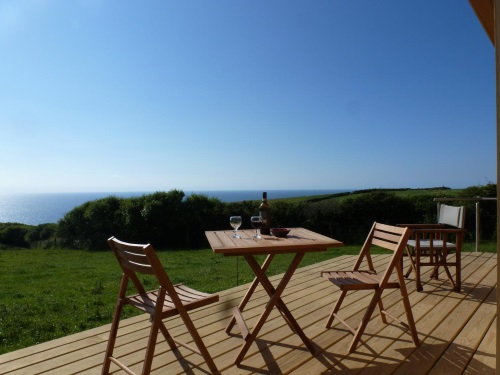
(264, 215)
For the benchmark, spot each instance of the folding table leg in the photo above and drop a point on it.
(249, 293)
(275, 300)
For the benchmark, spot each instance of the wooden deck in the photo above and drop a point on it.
(457, 331)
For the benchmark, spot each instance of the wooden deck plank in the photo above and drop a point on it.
(355, 304)
(484, 360)
(457, 356)
(457, 331)
(439, 317)
(377, 337)
(435, 299)
(446, 320)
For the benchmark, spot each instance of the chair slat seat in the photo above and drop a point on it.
(390, 238)
(194, 297)
(191, 299)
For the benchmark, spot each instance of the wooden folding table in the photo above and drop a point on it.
(299, 242)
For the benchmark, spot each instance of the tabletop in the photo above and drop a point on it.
(298, 240)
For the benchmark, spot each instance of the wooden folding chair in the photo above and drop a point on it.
(166, 301)
(383, 236)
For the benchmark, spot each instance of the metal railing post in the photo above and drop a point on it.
(478, 227)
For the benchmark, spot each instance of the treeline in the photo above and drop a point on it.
(172, 220)
(22, 235)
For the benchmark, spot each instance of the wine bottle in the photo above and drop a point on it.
(264, 213)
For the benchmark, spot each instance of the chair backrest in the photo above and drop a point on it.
(387, 237)
(137, 258)
(451, 215)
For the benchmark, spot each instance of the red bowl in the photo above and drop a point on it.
(280, 232)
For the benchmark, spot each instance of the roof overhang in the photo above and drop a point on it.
(485, 11)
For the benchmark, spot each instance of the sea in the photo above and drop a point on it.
(35, 209)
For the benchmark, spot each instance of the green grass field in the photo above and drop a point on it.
(47, 294)
(404, 193)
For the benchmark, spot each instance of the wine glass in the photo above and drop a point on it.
(256, 222)
(235, 222)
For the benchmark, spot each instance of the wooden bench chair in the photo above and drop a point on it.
(432, 245)
(166, 301)
(384, 236)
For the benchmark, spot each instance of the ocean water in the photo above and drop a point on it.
(34, 209)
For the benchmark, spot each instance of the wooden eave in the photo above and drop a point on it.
(484, 10)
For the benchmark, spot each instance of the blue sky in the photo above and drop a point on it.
(102, 95)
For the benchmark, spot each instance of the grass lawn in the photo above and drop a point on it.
(47, 294)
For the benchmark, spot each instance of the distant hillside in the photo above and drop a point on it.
(401, 192)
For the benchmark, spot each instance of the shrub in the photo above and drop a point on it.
(14, 234)
(171, 220)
